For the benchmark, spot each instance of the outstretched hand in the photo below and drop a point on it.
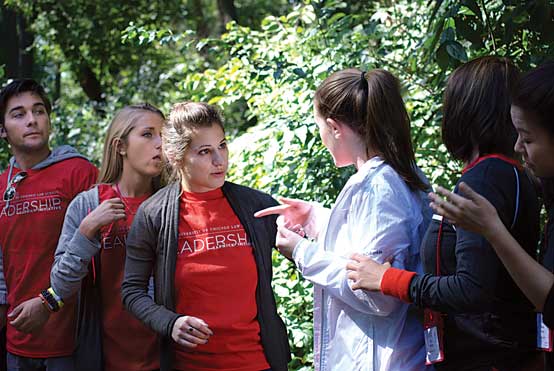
(293, 211)
(366, 273)
(471, 211)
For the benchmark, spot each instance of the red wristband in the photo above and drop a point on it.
(396, 282)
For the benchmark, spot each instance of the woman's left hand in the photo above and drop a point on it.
(287, 237)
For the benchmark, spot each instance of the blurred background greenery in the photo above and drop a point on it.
(260, 61)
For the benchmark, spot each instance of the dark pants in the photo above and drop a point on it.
(18, 363)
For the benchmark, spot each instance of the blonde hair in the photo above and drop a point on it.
(184, 118)
(123, 122)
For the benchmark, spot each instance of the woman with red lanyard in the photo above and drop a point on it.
(532, 114)
(211, 259)
(475, 318)
(95, 228)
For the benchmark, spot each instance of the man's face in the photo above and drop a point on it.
(26, 123)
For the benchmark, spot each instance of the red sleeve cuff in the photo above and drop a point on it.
(396, 282)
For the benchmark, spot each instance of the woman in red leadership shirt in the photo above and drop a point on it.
(95, 229)
(214, 305)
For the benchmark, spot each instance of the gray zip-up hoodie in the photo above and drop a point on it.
(58, 154)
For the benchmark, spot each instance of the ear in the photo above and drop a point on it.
(3, 132)
(336, 127)
(121, 146)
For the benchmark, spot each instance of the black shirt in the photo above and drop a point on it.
(488, 320)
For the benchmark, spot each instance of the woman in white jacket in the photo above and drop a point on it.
(381, 212)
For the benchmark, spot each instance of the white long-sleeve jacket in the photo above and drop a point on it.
(375, 214)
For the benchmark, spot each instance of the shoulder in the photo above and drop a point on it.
(159, 200)
(491, 169)
(85, 201)
(385, 183)
(239, 192)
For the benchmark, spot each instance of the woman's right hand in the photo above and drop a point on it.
(294, 212)
(106, 213)
(190, 332)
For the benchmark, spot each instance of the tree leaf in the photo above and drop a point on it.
(456, 51)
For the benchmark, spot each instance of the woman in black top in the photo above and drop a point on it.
(487, 321)
(532, 113)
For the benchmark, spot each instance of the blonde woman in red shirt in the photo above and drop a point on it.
(93, 239)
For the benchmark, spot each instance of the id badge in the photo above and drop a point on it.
(433, 331)
(544, 335)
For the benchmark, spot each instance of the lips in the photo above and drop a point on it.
(31, 133)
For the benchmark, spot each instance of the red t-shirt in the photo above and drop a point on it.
(215, 280)
(30, 227)
(127, 343)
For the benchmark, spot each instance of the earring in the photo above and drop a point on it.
(123, 153)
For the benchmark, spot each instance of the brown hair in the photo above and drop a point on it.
(535, 93)
(371, 105)
(123, 122)
(476, 108)
(184, 118)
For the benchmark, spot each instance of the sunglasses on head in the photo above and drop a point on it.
(9, 194)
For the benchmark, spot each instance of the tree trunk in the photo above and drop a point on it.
(90, 84)
(196, 10)
(227, 12)
(25, 52)
(10, 47)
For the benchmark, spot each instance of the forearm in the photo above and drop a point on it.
(140, 304)
(532, 278)
(71, 265)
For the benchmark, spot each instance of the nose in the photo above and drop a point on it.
(31, 118)
(217, 158)
(518, 146)
(158, 141)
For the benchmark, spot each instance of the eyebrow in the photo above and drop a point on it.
(208, 145)
(21, 107)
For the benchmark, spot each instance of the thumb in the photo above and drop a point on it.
(16, 311)
(387, 265)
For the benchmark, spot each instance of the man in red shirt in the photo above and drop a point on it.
(37, 187)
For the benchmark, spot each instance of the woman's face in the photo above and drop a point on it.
(534, 143)
(143, 146)
(206, 159)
